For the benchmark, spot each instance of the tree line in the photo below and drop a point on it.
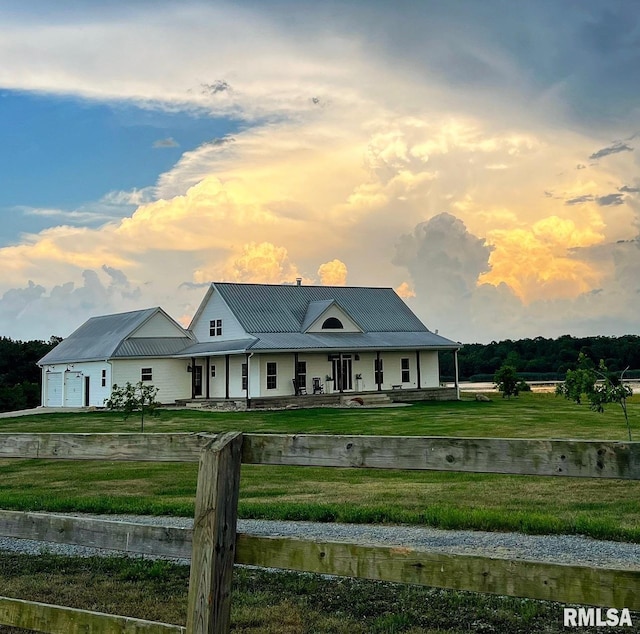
(543, 359)
(20, 377)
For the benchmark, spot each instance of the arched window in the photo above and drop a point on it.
(332, 322)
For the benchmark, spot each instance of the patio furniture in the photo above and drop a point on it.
(318, 388)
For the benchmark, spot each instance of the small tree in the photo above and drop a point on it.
(508, 382)
(134, 398)
(611, 389)
(599, 386)
(579, 382)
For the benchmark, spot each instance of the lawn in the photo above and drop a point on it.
(599, 508)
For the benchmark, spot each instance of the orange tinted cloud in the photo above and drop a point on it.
(536, 263)
(333, 273)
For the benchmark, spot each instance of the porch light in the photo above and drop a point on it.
(189, 368)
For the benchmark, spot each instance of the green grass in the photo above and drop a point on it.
(266, 602)
(599, 508)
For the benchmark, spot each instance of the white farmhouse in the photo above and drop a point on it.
(252, 342)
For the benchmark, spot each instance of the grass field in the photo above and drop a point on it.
(604, 509)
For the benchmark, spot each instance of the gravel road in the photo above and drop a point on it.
(567, 549)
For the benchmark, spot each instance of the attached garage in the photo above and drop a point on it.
(53, 387)
(73, 383)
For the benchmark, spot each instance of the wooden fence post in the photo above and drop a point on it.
(214, 536)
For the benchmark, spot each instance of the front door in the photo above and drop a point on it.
(342, 373)
(197, 380)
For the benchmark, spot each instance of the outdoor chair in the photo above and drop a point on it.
(318, 388)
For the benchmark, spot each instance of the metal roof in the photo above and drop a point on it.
(97, 338)
(352, 341)
(282, 308)
(104, 337)
(152, 346)
(217, 347)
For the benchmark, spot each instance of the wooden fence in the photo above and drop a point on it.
(214, 545)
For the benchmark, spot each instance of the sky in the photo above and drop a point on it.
(481, 158)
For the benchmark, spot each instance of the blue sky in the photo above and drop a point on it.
(78, 151)
(479, 157)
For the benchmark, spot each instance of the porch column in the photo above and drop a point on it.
(208, 375)
(341, 373)
(455, 363)
(296, 376)
(418, 367)
(193, 377)
(226, 376)
(379, 373)
(248, 361)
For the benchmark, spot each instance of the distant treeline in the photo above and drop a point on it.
(543, 359)
(20, 377)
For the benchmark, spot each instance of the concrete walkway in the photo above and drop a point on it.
(41, 410)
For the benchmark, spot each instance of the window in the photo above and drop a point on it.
(245, 382)
(332, 322)
(215, 328)
(146, 374)
(404, 364)
(377, 370)
(104, 378)
(271, 376)
(213, 371)
(302, 374)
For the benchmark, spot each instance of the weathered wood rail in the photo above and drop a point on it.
(214, 545)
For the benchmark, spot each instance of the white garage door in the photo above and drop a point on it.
(72, 389)
(53, 389)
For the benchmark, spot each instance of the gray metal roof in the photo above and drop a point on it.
(98, 338)
(103, 337)
(217, 347)
(282, 308)
(352, 341)
(152, 346)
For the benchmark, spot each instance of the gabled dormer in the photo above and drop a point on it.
(328, 316)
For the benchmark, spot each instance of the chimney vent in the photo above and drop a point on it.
(298, 281)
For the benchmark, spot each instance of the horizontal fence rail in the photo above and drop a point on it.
(127, 537)
(573, 458)
(55, 619)
(128, 447)
(534, 579)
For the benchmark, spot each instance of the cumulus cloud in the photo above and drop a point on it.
(261, 263)
(333, 273)
(33, 312)
(405, 291)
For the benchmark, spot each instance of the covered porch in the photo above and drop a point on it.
(324, 376)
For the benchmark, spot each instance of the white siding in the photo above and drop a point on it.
(169, 375)
(216, 308)
(158, 326)
(333, 311)
(429, 369)
(284, 374)
(64, 391)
